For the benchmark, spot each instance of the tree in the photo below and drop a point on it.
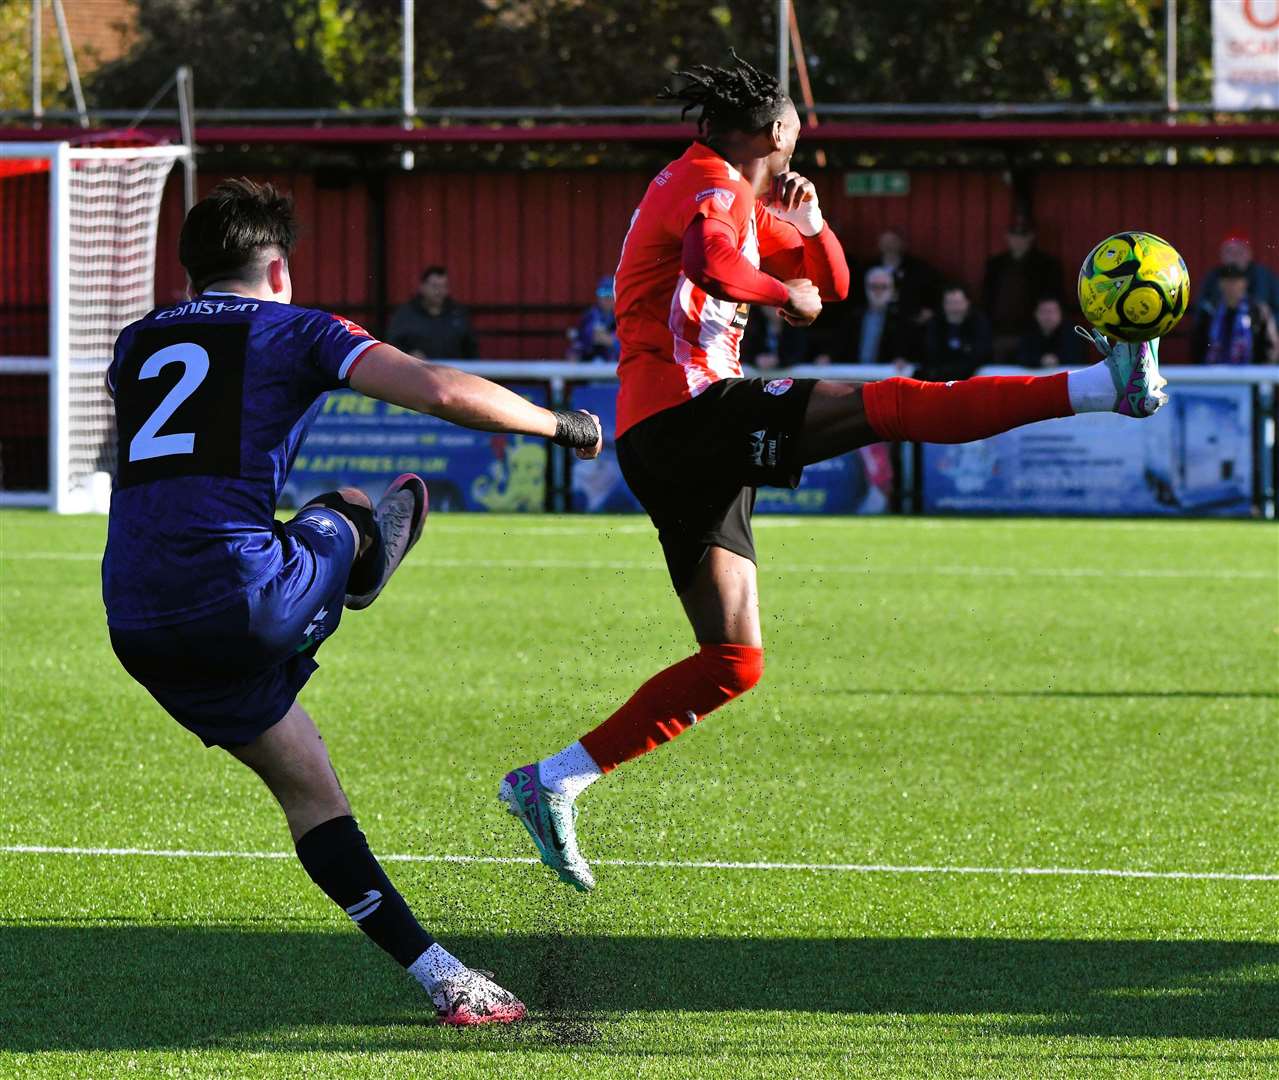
(15, 62)
(332, 53)
(250, 54)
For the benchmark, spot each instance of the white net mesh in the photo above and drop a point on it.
(114, 212)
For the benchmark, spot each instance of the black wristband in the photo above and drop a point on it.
(575, 430)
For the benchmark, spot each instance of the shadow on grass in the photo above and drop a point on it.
(172, 987)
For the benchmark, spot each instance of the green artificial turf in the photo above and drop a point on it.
(940, 693)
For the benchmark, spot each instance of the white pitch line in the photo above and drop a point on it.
(655, 565)
(844, 568)
(676, 864)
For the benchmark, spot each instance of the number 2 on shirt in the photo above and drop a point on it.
(195, 366)
(179, 403)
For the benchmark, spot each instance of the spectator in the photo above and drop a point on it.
(878, 334)
(916, 282)
(596, 335)
(771, 343)
(1015, 281)
(1236, 251)
(1237, 330)
(432, 325)
(1052, 343)
(958, 342)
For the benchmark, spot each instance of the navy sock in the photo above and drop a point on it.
(337, 858)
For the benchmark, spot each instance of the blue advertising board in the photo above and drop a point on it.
(597, 486)
(857, 483)
(1194, 456)
(366, 443)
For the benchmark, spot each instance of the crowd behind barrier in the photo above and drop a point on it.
(903, 312)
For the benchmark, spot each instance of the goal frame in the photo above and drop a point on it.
(61, 157)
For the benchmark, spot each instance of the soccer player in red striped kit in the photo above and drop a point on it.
(725, 226)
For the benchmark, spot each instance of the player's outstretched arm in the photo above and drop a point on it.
(712, 261)
(796, 242)
(386, 373)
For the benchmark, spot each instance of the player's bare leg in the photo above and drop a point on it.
(293, 762)
(722, 605)
(843, 416)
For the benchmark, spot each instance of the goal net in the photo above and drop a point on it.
(77, 263)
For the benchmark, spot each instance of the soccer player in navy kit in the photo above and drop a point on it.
(215, 607)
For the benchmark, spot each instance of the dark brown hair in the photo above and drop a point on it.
(226, 232)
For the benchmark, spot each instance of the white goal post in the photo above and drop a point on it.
(103, 214)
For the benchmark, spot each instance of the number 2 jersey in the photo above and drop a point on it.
(676, 339)
(213, 398)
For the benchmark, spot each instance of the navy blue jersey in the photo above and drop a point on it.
(213, 397)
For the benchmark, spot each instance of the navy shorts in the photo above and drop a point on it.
(230, 675)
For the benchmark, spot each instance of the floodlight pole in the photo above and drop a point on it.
(408, 96)
(783, 44)
(185, 81)
(37, 93)
(68, 58)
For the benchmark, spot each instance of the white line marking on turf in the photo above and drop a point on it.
(677, 864)
(843, 568)
(868, 570)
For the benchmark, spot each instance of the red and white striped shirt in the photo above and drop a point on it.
(677, 339)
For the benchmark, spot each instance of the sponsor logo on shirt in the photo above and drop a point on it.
(778, 386)
(722, 196)
(206, 307)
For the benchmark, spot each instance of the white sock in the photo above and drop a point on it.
(1091, 389)
(435, 966)
(570, 772)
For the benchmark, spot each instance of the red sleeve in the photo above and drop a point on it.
(786, 254)
(712, 262)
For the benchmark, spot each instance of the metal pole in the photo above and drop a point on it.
(1170, 71)
(185, 80)
(783, 44)
(68, 58)
(37, 76)
(408, 97)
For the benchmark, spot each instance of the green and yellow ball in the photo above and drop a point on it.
(1134, 286)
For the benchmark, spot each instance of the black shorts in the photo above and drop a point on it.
(695, 467)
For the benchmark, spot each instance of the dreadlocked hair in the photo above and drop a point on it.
(739, 97)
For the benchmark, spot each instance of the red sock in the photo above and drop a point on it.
(956, 412)
(672, 700)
